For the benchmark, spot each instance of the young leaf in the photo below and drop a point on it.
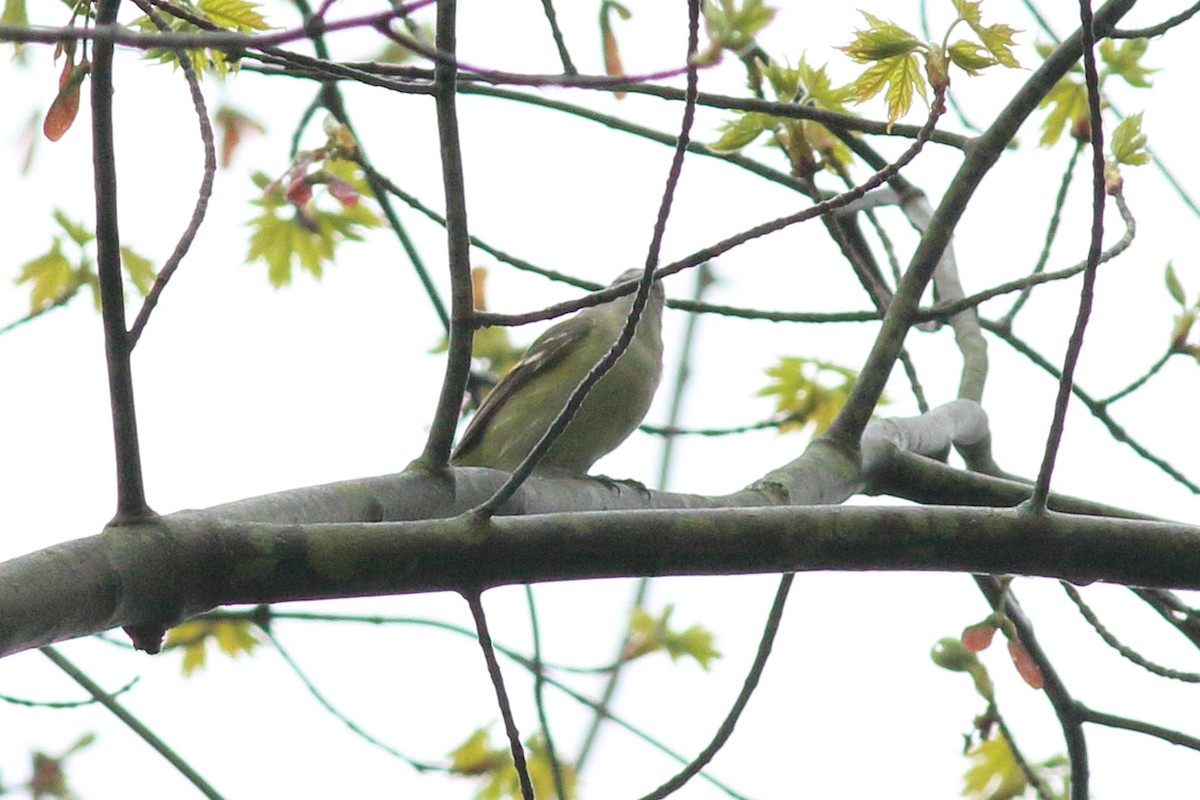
(139, 269)
(476, 756)
(742, 131)
(233, 637)
(51, 277)
(893, 67)
(801, 393)
(996, 39)
(880, 41)
(649, 634)
(15, 14)
(1067, 102)
(77, 232)
(1124, 60)
(733, 27)
(1175, 286)
(995, 774)
(237, 15)
(1129, 143)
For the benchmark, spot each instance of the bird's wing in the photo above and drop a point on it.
(546, 351)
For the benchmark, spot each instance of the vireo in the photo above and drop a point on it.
(515, 415)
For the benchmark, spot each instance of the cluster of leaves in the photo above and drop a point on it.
(808, 145)
(55, 277)
(478, 758)
(648, 634)
(732, 27)
(233, 637)
(309, 235)
(894, 57)
(237, 16)
(802, 395)
(1067, 100)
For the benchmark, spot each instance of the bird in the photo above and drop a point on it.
(514, 416)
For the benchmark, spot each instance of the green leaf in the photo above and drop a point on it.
(77, 232)
(15, 14)
(733, 27)
(997, 39)
(649, 634)
(139, 269)
(233, 638)
(52, 277)
(819, 89)
(807, 391)
(1174, 286)
(237, 15)
(897, 77)
(970, 57)
(742, 131)
(1124, 60)
(882, 40)
(541, 771)
(1067, 102)
(1128, 144)
(995, 775)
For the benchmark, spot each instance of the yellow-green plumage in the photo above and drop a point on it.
(521, 408)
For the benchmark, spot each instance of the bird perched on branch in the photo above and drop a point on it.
(515, 415)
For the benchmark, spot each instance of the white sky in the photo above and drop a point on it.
(244, 390)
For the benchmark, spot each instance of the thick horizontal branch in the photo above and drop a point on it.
(151, 576)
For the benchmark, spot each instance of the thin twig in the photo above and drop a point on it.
(206, 184)
(1060, 200)
(743, 698)
(539, 696)
(1126, 651)
(559, 41)
(133, 723)
(493, 666)
(1113, 721)
(324, 702)
(1096, 408)
(1141, 381)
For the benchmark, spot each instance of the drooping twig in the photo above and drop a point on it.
(493, 666)
(206, 185)
(133, 723)
(743, 698)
